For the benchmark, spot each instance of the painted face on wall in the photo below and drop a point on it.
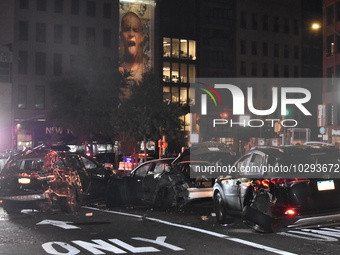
(132, 36)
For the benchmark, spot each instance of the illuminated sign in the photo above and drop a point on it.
(136, 34)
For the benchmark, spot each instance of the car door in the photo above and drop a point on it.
(152, 179)
(97, 176)
(253, 169)
(135, 182)
(73, 161)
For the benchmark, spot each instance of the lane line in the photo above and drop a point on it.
(215, 234)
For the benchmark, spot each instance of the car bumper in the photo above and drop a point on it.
(29, 197)
(310, 221)
(198, 193)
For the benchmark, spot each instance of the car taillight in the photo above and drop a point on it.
(292, 180)
(290, 212)
(279, 181)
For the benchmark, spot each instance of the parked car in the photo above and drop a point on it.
(51, 178)
(165, 183)
(291, 195)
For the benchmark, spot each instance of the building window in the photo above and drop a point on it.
(330, 45)
(286, 51)
(23, 30)
(22, 96)
(23, 62)
(265, 49)
(265, 22)
(254, 21)
(75, 35)
(276, 25)
(276, 50)
(57, 64)
(296, 52)
(40, 63)
(91, 8)
(286, 26)
(107, 10)
(184, 73)
(243, 20)
(41, 5)
(24, 4)
(40, 31)
(286, 71)
(107, 38)
(243, 47)
(296, 71)
(39, 97)
(265, 69)
(338, 11)
(73, 60)
(330, 14)
(329, 114)
(90, 35)
(58, 33)
(5, 72)
(254, 69)
(58, 6)
(296, 27)
(166, 94)
(330, 76)
(243, 68)
(276, 70)
(75, 7)
(254, 48)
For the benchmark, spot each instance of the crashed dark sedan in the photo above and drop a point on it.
(160, 184)
(274, 187)
(165, 183)
(51, 178)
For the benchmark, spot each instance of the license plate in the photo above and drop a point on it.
(326, 185)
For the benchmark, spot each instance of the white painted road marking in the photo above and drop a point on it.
(58, 223)
(97, 246)
(245, 242)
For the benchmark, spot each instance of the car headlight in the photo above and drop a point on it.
(24, 180)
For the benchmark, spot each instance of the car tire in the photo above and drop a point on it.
(220, 209)
(164, 199)
(69, 203)
(113, 197)
(11, 209)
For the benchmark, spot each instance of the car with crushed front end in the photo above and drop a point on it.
(275, 187)
(170, 182)
(51, 178)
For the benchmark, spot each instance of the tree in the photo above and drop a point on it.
(144, 115)
(86, 100)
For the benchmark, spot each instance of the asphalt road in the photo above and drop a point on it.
(193, 230)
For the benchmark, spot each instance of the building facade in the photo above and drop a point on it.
(183, 40)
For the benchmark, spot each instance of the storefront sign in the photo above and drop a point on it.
(335, 132)
(321, 119)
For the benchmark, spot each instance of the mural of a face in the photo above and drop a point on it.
(132, 36)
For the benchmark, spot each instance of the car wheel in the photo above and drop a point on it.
(69, 204)
(164, 199)
(221, 211)
(11, 209)
(113, 197)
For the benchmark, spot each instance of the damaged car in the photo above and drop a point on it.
(275, 187)
(47, 178)
(160, 184)
(165, 183)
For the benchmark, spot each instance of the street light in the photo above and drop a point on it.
(317, 26)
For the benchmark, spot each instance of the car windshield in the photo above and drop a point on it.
(38, 161)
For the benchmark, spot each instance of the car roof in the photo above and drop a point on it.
(282, 151)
